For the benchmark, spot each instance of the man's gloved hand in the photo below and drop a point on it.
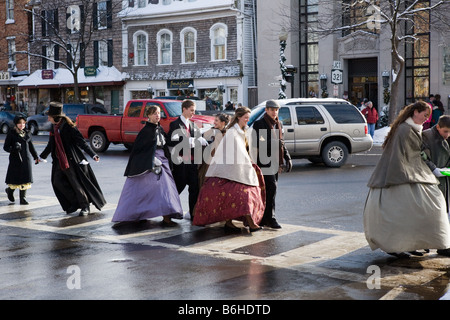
(437, 172)
(288, 164)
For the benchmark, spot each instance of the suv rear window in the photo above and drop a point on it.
(344, 113)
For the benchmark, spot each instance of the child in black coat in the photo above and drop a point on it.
(20, 147)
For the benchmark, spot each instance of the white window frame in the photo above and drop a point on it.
(102, 18)
(159, 42)
(183, 48)
(213, 41)
(11, 48)
(9, 10)
(50, 54)
(136, 53)
(103, 53)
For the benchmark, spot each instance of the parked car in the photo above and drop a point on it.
(101, 130)
(39, 122)
(7, 120)
(321, 130)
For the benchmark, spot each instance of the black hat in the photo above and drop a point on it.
(55, 109)
(19, 117)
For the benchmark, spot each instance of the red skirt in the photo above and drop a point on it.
(222, 199)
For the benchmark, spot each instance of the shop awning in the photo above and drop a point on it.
(104, 76)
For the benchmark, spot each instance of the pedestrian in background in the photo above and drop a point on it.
(234, 186)
(20, 147)
(73, 180)
(436, 153)
(269, 131)
(405, 210)
(149, 190)
(371, 115)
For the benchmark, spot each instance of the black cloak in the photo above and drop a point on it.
(143, 151)
(20, 162)
(74, 144)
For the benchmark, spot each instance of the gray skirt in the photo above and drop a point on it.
(406, 217)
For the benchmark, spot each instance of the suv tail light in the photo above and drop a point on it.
(366, 130)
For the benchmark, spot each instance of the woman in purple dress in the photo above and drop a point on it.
(149, 190)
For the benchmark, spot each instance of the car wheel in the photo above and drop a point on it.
(335, 154)
(34, 129)
(98, 141)
(5, 128)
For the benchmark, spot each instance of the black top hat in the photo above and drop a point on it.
(55, 109)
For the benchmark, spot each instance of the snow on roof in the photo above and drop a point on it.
(175, 7)
(62, 76)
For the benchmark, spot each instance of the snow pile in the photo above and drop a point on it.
(380, 135)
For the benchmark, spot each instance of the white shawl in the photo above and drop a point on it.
(231, 160)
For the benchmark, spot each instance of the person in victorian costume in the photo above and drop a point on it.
(20, 147)
(73, 179)
(149, 190)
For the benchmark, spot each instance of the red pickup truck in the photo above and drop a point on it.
(101, 130)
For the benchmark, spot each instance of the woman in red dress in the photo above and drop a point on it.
(234, 186)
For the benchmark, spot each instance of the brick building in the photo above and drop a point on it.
(70, 35)
(190, 46)
(14, 29)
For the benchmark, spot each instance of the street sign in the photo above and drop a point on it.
(336, 76)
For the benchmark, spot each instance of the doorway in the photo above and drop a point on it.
(363, 80)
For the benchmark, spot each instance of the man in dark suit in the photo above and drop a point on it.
(183, 134)
(269, 131)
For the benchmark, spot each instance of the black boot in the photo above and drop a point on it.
(10, 193)
(23, 194)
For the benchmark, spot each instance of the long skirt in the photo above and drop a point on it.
(406, 217)
(149, 195)
(222, 199)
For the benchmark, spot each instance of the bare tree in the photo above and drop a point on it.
(64, 30)
(403, 20)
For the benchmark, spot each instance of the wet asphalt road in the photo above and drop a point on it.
(319, 254)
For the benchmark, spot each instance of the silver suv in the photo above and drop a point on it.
(321, 130)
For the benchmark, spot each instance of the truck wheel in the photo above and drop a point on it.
(334, 154)
(99, 142)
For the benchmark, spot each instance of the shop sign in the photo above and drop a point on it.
(179, 84)
(47, 74)
(90, 71)
(4, 75)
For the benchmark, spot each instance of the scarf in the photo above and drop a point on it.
(60, 153)
(275, 124)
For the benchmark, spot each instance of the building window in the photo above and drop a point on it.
(360, 15)
(103, 53)
(12, 50)
(142, 3)
(188, 40)
(140, 48)
(417, 56)
(10, 10)
(102, 15)
(164, 40)
(49, 22)
(166, 2)
(218, 36)
(309, 49)
(50, 56)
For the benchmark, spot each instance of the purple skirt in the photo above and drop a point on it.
(149, 195)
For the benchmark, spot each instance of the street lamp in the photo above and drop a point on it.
(323, 84)
(150, 91)
(290, 75)
(282, 37)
